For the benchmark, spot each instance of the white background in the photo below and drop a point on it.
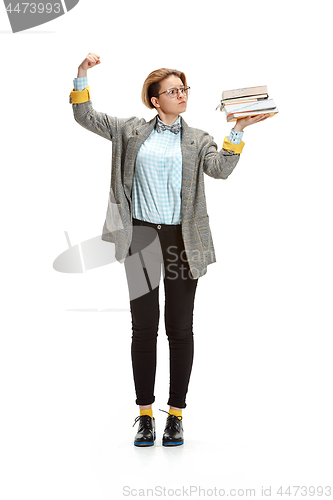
(259, 406)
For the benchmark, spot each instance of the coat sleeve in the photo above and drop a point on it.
(219, 164)
(100, 123)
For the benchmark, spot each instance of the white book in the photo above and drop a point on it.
(249, 106)
(232, 117)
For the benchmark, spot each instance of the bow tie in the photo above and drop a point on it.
(160, 126)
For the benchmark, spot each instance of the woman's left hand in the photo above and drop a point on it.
(241, 123)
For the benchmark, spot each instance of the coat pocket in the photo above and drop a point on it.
(202, 224)
(113, 218)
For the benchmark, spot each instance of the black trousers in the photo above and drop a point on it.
(154, 247)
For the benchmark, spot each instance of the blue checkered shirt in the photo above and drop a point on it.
(157, 180)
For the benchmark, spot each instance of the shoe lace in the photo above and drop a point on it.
(146, 422)
(171, 420)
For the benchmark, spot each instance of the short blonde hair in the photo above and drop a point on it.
(151, 86)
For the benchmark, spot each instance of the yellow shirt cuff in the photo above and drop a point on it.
(77, 96)
(229, 146)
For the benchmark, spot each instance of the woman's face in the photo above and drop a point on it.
(170, 105)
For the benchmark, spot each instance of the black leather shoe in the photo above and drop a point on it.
(173, 433)
(146, 434)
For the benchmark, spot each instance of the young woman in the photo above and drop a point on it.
(157, 216)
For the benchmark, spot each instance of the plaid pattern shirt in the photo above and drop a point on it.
(157, 181)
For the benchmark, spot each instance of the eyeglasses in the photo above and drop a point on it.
(174, 92)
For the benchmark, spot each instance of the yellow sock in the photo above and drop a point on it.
(149, 412)
(178, 413)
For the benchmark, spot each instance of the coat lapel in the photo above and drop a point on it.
(138, 137)
(189, 157)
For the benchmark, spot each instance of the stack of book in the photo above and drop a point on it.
(248, 101)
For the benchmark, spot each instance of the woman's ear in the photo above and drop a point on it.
(154, 102)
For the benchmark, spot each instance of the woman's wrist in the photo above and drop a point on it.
(81, 72)
(238, 128)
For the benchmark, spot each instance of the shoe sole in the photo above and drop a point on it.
(173, 443)
(145, 443)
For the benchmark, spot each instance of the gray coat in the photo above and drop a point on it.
(200, 155)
